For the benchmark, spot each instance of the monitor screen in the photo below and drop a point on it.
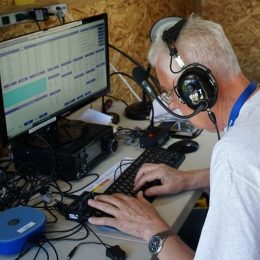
(46, 75)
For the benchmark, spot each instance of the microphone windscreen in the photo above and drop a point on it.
(139, 75)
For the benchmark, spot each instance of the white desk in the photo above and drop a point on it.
(173, 209)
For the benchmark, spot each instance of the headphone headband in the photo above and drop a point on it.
(170, 35)
(160, 26)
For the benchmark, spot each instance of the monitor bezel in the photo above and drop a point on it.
(68, 110)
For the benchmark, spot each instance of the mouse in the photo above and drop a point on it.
(184, 146)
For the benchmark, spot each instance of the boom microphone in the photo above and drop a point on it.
(141, 78)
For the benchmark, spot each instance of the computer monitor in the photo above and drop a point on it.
(46, 75)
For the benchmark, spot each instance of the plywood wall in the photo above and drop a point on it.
(241, 22)
(130, 22)
(129, 25)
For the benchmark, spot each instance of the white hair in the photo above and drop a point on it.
(200, 41)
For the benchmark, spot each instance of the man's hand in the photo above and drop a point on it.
(172, 180)
(135, 216)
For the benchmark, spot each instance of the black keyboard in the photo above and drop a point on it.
(79, 209)
(125, 182)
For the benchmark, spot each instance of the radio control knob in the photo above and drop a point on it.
(110, 145)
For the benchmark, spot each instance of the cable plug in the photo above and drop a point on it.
(60, 14)
(40, 14)
(46, 194)
(61, 207)
(37, 240)
(115, 253)
(21, 17)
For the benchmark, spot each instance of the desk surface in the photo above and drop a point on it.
(174, 209)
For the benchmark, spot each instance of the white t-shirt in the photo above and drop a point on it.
(232, 227)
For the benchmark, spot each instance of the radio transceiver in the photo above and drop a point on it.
(69, 159)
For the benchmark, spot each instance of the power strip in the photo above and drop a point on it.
(14, 18)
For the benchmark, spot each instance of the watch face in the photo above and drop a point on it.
(155, 244)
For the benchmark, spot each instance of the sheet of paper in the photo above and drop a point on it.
(95, 117)
(108, 177)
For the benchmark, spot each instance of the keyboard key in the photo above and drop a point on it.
(125, 182)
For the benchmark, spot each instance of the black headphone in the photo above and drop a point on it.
(196, 86)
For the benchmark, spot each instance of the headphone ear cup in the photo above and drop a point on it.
(197, 86)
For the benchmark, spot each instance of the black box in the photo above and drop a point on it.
(154, 136)
(72, 160)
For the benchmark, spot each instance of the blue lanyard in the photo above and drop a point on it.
(240, 102)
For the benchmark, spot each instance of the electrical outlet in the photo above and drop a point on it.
(23, 15)
(57, 9)
(13, 18)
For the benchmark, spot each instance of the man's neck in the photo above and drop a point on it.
(229, 91)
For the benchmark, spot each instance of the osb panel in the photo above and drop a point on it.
(129, 30)
(129, 25)
(130, 22)
(241, 22)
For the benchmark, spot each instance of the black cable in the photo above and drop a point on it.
(38, 251)
(62, 231)
(136, 63)
(126, 55)
(124, 74)
(73, 251)
(87, 227)
(84, 187)
(152, 109)
(60, 15)
(23, 185)
(27, 186)
(213, 119)
(46, 252)
(119, 167)
(51, 213)
(77, 229)
(59, 20)
(36, 241)
(175, 72)
(121, 73)
(54, 249)
(52, 153)
(23, 251)
(154, 80)
(127, 133)
(38, 25)
(56, 186)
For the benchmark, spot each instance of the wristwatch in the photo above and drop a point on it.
(156, 241)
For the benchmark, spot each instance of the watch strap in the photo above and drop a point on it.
(165, 234)
(154, 257)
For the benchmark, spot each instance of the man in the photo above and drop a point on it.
(231, 229)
